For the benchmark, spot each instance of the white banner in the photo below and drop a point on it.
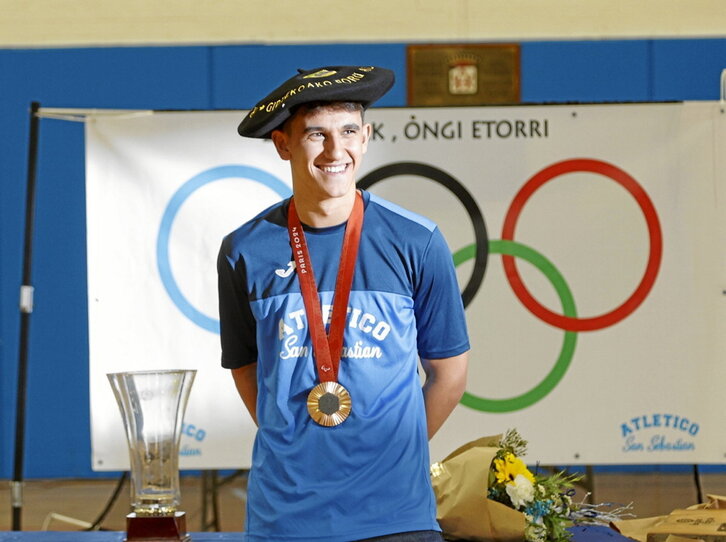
(588, 240)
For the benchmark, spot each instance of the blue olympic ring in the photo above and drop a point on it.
(172, 208)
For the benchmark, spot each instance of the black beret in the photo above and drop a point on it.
(328, 84)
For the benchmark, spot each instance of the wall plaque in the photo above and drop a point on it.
(463, 74)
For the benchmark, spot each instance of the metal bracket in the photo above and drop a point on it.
(26, 298)
(16, 494)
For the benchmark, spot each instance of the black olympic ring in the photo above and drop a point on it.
(477, 219)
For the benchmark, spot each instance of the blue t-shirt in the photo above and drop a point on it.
(368, 476)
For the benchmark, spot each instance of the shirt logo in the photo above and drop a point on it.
(291, 334)
(284, 273)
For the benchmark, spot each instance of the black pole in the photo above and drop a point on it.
(697, 480)
(26, 308)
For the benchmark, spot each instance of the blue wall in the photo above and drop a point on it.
(233, 77)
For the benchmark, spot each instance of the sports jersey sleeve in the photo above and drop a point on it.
(237, 326)
(440, 319)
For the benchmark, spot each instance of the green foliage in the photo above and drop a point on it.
(513, 443)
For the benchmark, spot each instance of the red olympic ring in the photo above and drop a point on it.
(654, 232)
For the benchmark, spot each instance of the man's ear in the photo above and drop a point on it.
(367, 132)
(279, 138)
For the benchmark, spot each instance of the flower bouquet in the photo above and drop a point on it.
(486, 493)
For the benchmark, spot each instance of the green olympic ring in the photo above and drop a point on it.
(541, 390)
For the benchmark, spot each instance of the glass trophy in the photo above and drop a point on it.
(152, 405)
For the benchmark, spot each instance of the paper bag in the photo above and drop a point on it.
(463, 510)
(678, 525)
(706, 524)
(715, 502)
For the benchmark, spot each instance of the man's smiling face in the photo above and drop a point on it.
(325, 146)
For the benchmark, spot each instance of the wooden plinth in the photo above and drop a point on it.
(157, 528)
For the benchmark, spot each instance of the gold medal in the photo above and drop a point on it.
(329, 404)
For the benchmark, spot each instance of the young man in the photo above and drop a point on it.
(326, 358)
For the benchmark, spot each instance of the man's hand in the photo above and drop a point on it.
(245, 378)
(444, 386)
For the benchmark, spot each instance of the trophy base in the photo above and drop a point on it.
(157, 528)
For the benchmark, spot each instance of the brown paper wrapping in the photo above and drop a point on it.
(715, 502)
(638, 529)
(460, 485)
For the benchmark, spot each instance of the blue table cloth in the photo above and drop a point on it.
(581, 533)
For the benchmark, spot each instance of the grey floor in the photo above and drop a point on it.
(67, 505)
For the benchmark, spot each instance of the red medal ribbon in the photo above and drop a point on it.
(327, 348)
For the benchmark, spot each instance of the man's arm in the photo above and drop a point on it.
(444, 386)
(245, 378)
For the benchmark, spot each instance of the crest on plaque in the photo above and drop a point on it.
(463, 75)
(468, 74)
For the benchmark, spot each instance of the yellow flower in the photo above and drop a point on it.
(507, 469)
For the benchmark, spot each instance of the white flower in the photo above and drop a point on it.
(520, 491)
(535, 533)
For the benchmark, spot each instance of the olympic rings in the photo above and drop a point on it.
(541, 390)
(176, 201)
(479, 251)
(568, 322)
(481, 238)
